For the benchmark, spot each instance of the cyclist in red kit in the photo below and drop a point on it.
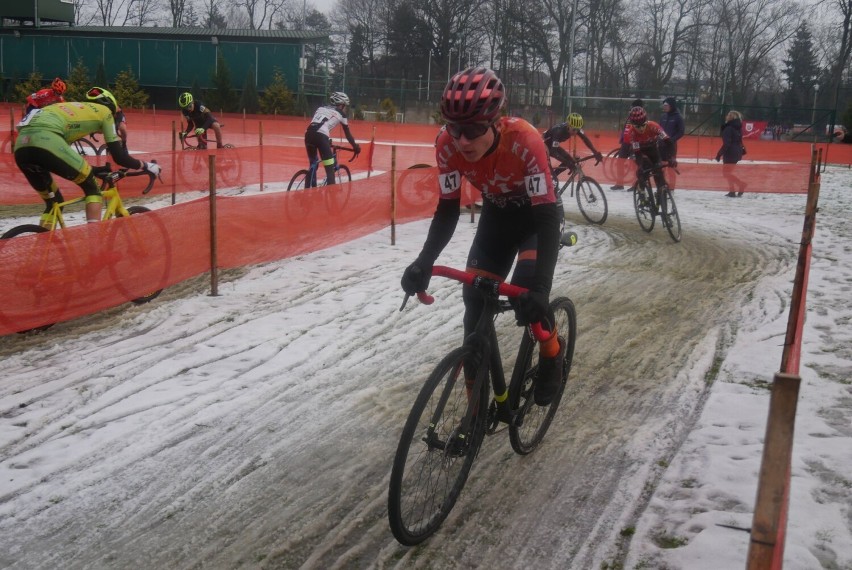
(645, 138)
(506, 159)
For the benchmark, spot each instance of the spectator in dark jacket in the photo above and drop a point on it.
(731, 152)
(672, 123)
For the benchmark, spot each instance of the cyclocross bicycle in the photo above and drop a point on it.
(307, 177)
(649, 204)
(590, 196)
(192, 141)
(52, 267)
(452, 415)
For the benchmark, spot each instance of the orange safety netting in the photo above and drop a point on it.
(61, 275)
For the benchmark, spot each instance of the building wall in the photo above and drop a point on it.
(157, 62)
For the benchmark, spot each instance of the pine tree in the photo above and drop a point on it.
(78, 82)
(801, 69)
(277, 99)
(24, 89)
(222, 97)
(127, 92)
(249, 101)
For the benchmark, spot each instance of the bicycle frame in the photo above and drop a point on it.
(109, 191)
(484, 340)
(315, 164)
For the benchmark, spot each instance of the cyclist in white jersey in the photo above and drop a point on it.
(318, 134)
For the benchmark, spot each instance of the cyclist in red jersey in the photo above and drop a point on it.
(506, 160)
(46, 96)
(645, 138)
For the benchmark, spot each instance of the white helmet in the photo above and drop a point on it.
(339, 98)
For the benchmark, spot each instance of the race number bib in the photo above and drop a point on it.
(28, 117)
(536, 185)
(450, 182)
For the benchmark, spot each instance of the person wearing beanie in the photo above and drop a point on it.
(673, 125)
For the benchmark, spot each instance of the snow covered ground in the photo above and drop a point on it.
(256, 429)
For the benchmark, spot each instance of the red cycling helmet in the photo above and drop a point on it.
(638, 116)
(472, 96)
(58, 85)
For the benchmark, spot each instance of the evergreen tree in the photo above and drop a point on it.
(127, 92)
(801, 69)
(277, 99)
(78, 82)
(222, 96)
(24, 89)
(249, 101)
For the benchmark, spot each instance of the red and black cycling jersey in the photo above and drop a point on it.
(43, 98)
(515, 171)
(645, 138)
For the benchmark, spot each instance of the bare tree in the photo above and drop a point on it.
(141, 12)
(261, 13)
(176, 9)
(111, 12)
(752, 31)
(663, 29)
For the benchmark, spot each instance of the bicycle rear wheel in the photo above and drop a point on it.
(642, 202)
(531, 422)
(43, 275)
(299, 180)
(144, 246)
(671, 219)
(434, 455)
(591, 200)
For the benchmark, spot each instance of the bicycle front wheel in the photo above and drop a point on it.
(299, 180)
(337, 196)
(85, 147)
(143, 246)
(530, 421)
(591, 200)
(642, 202)
(434, 455)
(671, 219)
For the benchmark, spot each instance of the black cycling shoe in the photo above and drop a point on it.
(549, 377)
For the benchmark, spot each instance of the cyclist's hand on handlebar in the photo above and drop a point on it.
(416, 277)
(356, 148)
(152, 167)
(531, 307)
(673, 163)
(598, 158)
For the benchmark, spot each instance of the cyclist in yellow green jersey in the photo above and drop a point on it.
(43, 147)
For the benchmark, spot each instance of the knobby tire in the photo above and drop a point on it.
(591, 200)
(38, 264)
(531, 422)
(671, 219)
(153, 253)
(642, 204)
(433, 459)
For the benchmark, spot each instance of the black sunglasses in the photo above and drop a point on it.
(469, 130)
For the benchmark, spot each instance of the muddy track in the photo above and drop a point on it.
(257, 429)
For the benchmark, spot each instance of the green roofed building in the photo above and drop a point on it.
(165, 60)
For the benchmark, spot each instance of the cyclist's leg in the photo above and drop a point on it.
(28, 162)
(51, 153)
(550, 349)
(212, 123)
(327, 158)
